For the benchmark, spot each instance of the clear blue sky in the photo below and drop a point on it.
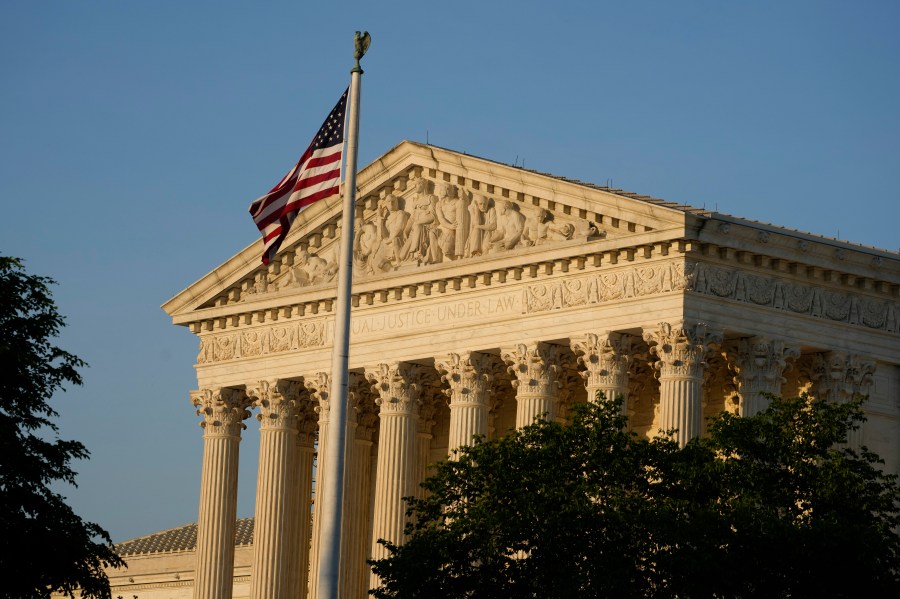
(136, 133)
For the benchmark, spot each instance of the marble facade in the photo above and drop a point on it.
(484, 296)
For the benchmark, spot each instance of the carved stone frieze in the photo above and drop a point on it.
(223, 409)
(397, 386)
(781, 294)
(261, 341)
(681, 348)
(278, 403)
(605, 286)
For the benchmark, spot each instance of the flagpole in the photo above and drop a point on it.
(331, 496)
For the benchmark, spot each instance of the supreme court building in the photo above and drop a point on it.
(485, 295)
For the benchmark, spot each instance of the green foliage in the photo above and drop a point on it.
(767, 506)
(44, 547)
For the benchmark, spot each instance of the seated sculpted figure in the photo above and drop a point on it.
(510, 226)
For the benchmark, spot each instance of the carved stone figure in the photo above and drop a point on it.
(378, 245)
(482, 224)
(311, 269)
(510, 226)
(541, 228)
(392, 224)
(417, 248)
(451, 210)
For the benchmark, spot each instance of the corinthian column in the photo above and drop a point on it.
(758, 363)
(398, 411)
(536, 369)
(469, 376)
(606, 359)
(320, 385)
(223, 412)
(274, 531)
(681, 350)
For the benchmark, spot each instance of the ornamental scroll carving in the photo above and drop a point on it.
(223, 409)
(780, 294)
(261, 341)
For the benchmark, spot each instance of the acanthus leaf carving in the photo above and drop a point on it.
(223, 409)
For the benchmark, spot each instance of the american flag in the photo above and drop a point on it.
(316, 176)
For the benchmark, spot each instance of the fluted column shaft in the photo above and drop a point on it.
(307, 425)
(223, 412)
(680, 350)
(536, 369)
(355, 530)
(469, 376)
(320, 386)
(275, 542)
(606, 358)
(354, 583)
(398, 412)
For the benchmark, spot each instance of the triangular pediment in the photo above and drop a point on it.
(423, 209)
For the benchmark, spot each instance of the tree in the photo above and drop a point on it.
(45, 546)
(767, 506)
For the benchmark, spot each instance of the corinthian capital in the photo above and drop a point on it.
(759, 363)
(319, 386)
(606, 358)
(838, 376)
(536, 367)
(681, 348)
(278, 402)
(223, 409)
(469, 375)
(397, 386)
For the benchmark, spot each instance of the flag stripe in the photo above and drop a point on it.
(316, 176)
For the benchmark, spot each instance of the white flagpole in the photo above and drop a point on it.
(332, 495)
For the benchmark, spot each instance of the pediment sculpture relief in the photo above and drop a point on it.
(433, 222)
(441, 222)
